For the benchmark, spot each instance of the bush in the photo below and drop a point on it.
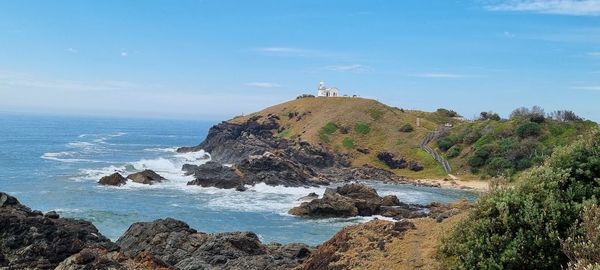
(445, 143)
(362, 128)
(305, 96)
(407, 128)
(453, 152)
(583, 250)
(535, 114)
(565, 116)
(348, 143)
(521, 227)
(489, 116)
(447, 113)
(529, 129)
(329, 128)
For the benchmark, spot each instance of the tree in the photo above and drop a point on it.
(489, 116)
(565, 116)
(529, 129)
(447, 113)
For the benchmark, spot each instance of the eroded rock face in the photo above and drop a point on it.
(148, 177)
(30, 240)
(115, 179)
(175, 243)
(357, 200)
(213, 174)
(102, 259)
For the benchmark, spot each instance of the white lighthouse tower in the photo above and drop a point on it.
(324, 91)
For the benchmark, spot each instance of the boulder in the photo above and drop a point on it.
(390, 160)
(148, 177)
(213, 174)
(30, 240)
(311, 196)
(390, 200)
(175, 243)
(277, 169)
(115, 179)
(329, 206)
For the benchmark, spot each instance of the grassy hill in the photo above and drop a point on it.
(353, 125)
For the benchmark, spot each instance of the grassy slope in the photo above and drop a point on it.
(384, 123)
(384, 135)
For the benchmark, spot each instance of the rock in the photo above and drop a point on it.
(176, 244)
(241, 188)
(52, 215)
(115, 179)
(276, 169)
(97, 258)
(390, 200)
(213, 174)
(29, 240)
(363, 150)
(391, 161)
(357, 200)
(309, 197)
(148, 177)
(415, 166)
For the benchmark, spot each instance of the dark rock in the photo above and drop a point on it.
(52, 215)
(391, 161)
(309, 197)
(173, 242)
(363, 150)
(213, 174)
(390, 200)
(29, 240)
(115, 179)
(357, 200)
(276, 169)
(148, 177)
(415, 166)
(241, 188)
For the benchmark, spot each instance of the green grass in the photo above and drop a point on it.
(286, 134)
(376, 114)
(329, 128)
(348, 143)
(362, 128)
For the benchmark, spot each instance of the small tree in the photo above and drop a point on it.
(489, 116)
(565, 116)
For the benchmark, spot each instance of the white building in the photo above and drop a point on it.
(327, 92)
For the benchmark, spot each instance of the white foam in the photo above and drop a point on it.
(164, 150)
(66, 157)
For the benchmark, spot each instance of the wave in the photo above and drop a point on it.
(66, 157)
(165, 150)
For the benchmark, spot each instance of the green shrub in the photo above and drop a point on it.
(362, 128)
(521, 227)
(453, 152)
(445, 143)
(329, 128)
(447, 113)
(348, 143)
(529, 129)
(407, 128)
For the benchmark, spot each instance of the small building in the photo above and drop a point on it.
(327, 91)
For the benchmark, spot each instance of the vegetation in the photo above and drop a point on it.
(506, 147)
(447, 113)
(376, 114)
(407, 128)
(348, 143)
(522, 227)
(583, 249)
(326, 130)
(362, 128)
(489, 116)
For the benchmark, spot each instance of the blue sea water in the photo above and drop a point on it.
(54, 163)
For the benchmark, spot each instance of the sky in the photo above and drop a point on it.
(215, 59)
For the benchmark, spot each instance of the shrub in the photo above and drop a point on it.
(305, 96)
(583, 250)
(445, 143)
(565, 116)
(521, 227)
(447, 113)
(348, 143)
(329, 128)
(362, 128)
(407, 128)
(489, 116)
(529, 129)
(535, 114)
(453, 152)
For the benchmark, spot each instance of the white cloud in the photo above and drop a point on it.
(561, 7)
(263, 84)
(356, 68)
(72, 50)
(440, 75)
(124, 54)
(588, 87)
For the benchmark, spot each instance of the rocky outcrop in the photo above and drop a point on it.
(175, 243)
(277, 169)
(115, 179)
(148, 177)
(102, 259)
(30, 240)
(356, 200)
(213, 174)
(398, 163)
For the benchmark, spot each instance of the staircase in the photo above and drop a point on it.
(425, 147)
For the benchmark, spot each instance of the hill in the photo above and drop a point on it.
(362, 129)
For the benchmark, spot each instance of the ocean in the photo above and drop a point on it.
(54, 163)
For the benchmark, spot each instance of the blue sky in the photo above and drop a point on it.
(214, 59)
